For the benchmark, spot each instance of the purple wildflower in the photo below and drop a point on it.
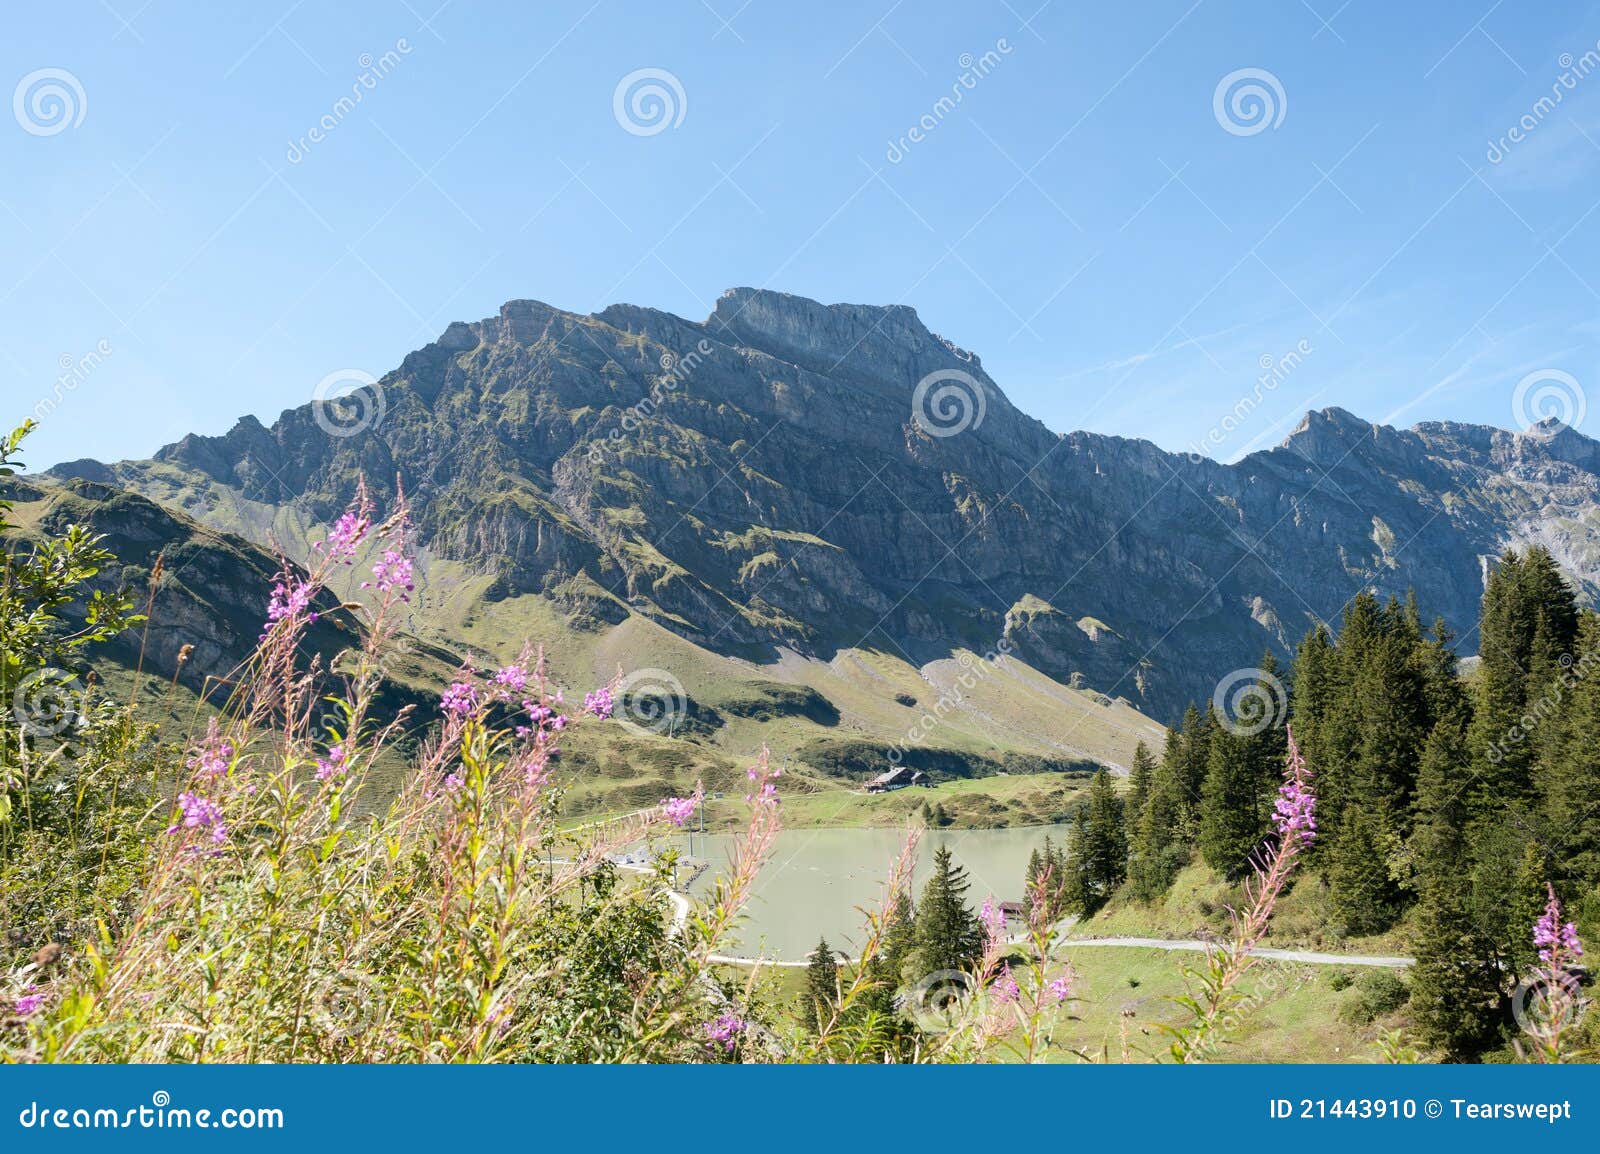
(993, 918)
(679, 809)
(347, 533)
(460, 699)
(290, 598)
(1006, 991)
(599, 703)
(1295, 812)
(200, 813)
(1060, 989)
(213, 759)
(333, 765)
(28, 1002)
(725, 1031)
(392, 571)
(512, 679)
(1555, 938)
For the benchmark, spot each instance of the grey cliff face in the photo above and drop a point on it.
(760, 479)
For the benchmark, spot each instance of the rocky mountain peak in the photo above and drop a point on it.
(768, 485)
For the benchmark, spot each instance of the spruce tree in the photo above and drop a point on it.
(821, 998)
(1101, 855)
(947, 935)
(1362, 894)
(1231, 819)
(1140, 777)
(1159, 848)
(1457, 982)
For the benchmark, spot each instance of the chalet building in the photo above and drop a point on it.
(897, 777)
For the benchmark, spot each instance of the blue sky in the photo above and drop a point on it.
(1084, 218)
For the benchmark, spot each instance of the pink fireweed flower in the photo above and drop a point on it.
(200, 813)
(1556, 939)
(391, 571)
(460, 699)
(290, 598)
(1005, 988)
(599, 703)
(347, 533)
(1059, 989)
(993, 918)
(28, 1002)
(725, 1031)
(679, 809)
(213, 759)
(511, 680)
(333, 765)
(1295, 812)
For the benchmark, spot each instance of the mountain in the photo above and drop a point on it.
(758, 486)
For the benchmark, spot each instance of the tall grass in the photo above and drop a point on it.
(240, 898)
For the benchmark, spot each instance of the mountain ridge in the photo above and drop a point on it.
(759, 480)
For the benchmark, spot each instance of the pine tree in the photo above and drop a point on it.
(1159, 844)
(1101, 853)
(1194, 749)
(1457, 982)
(1568, 772)
(821, 998)
(1140, 777)
(946, 933)
(1527, 622)
(1362, 894)
(1231, 818)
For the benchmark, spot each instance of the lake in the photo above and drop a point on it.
(818, 880)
